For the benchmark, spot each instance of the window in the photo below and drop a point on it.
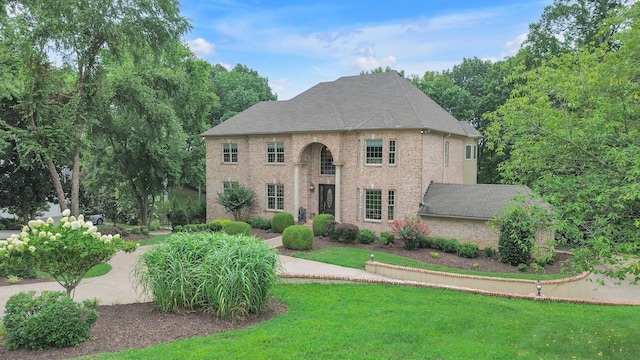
(446, 153)
(326, 162)
(372, 205)
(391, 206)
(227, 184)
(230, 153)
(275, 197)
(470, 152)
(275, 153)
(392, 152)
(374, 152)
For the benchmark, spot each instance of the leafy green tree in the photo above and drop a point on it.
(235, 199)
(58, 101)
(574, 136)
(441, 89)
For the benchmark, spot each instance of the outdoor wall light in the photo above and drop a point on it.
(371, 256)
(538, 286)
(311, 187)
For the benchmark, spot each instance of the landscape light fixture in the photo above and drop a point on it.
(371, 256)
(539, 287)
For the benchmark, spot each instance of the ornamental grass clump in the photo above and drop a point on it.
(229, 275)
(66, 250)
(412, 231)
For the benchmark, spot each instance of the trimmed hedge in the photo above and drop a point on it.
(237, 227)
(297, 237)
(281, 221)
(468, 250)
(260, 223)
(319, 224)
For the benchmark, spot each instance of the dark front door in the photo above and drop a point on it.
(327, 195)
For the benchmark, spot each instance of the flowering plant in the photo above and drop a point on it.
(66, 250)
(412, 231)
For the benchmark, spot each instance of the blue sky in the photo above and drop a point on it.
(297, 44)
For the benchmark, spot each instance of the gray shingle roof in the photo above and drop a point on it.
(478, 201)
(363, 102)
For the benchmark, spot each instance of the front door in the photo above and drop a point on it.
(327, 199)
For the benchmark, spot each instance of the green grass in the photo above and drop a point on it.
(182, 196)
(356, 258)
(158, 239)
(95, 271)
(393, 322)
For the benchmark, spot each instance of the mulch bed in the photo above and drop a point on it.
(140, 325)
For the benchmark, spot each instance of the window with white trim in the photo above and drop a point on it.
(275, 197)
(230, 153)
(373, 205)
(391, 205)
(326, 162)
(446, 153)
(392, 152)
(275, 153)
(373, 152)
(470, 152)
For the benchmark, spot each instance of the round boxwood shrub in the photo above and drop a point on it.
(48, 320)
(297, 237)
(281, 221)
(366, 236)
(319, 224)
(237, 227)
(468, 250)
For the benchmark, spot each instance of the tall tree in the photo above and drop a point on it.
(573, 127)
(74, 35)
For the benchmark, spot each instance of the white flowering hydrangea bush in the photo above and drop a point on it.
(66, 250)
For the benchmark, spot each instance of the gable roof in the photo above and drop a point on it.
(362, 102)
(477, 201)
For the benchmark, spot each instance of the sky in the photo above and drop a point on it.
(297, 44)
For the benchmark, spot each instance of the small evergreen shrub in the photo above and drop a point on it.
(348, 233)
(217, 224)
(297, 237)
(468, 250)
(424, 242)
(517, 236)
(522, 267)
(137, 230)
(386, 239)
(237, 227)
(332, 231)
(281, 221)
(49, 320)
(438, 243)
(260, 223)
(319, 222)
(490, 252)
(451, 246)
(544, 261)
(366, 236)
(411, 231)
(179, 218)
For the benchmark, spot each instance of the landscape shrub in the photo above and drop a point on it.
(438, 243)
(424, 242)
(544, 261)
(51, 319)
(331, 230)
(386, 239)
(155, 225)
(319, 222)
(517, 236)
(237, 227)
(468, 250)
(451, 246)
(217, 224)
(281, 221)
(522, 267)
(229, 275)
(17, 269)
(260, 223)
(411, 231)
(348, 232)
(297, 237)
(137, 230)
(2, 226)
(366, 236)
(179, 218)
(490, 252)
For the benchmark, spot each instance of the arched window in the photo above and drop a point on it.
(326, 162)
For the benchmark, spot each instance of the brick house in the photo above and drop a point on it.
(364, 148)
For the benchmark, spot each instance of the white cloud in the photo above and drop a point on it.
(280, 86)
(511, 47)
(370, 62)
(226, 66)
(201, 47)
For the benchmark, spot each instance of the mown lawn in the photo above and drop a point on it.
(394, 322)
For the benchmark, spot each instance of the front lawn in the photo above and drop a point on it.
(395, 322)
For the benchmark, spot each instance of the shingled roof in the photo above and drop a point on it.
(363, 102)
(478, 201)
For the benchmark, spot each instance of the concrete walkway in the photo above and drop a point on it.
(118, 287)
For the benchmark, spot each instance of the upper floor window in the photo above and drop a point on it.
(373, 152)
(275, 197)
(470, 152)
(228, 184)
(230, 153)
(392, 152)
(275, 153)
(446, 153)
(326, 162)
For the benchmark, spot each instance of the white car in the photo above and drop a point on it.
(97, 219)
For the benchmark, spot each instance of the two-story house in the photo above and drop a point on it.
(364, 148)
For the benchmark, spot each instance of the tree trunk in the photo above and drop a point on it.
(75, 183)
(55, 178)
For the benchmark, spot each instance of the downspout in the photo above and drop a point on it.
(422, 132)
(444, 158)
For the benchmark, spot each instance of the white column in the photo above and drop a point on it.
(338, 205)
(296, 190)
